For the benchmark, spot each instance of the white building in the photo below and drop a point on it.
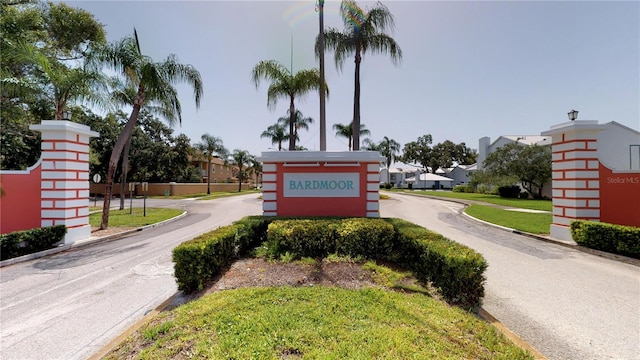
(422, 180)
(486, 147)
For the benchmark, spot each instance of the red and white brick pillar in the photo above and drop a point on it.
(65, 177)
(575, 174)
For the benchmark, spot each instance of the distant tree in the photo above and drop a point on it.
(445, 154)
(363, 31)
(370, 145)
(390, 149)
(299, 122)
(242, 160)
(210, 147)
(418, 151)
(346, 131)
(531, 165)
(256, 169)
(277, 134)
(285, 84)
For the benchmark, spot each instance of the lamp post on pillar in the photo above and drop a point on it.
(573, 115)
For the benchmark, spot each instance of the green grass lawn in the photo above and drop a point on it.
(544, 205)
(317, 323)
(123, 218)
(527, 222)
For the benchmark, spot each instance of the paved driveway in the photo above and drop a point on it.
(566, 303)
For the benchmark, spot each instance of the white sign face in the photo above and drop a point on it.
(321, 184)
(96, 178)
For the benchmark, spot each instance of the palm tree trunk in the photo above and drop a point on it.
(125, 168)
(356, 103)
(240, 179)
(115, 155)
(292, 117)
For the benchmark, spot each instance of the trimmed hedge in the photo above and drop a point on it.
(455, 269)
(616, 239)
(458, 271)
(201, 259)
(25, 242)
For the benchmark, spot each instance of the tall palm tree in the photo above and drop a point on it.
(285, 84)
(363, 31)
(241, 159)
(256, 169)
(347, 131)
(299, 122)
(277, 133)
(390, 149)
(210, 147)
(370, 145)
(155, 83)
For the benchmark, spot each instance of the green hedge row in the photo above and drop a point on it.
(200, 259)
(320, 237)
(455, 269)
(617, 239)
(458, 271)
(25, 242)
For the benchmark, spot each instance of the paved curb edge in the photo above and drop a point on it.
(66, 247)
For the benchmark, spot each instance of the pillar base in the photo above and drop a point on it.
(561, 232)
(77, 233)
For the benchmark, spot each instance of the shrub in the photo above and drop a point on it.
(370, 238)
(616, 239)
(483, 189)
(455, 269)
(200, 259)
(511, 191)
(303, 238)
(25, 242)
(459, 188)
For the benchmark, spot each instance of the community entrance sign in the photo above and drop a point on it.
(320, 183)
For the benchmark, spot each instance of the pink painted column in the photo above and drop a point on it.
(65, 177)
(575, 177)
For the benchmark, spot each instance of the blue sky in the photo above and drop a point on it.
(470, 69)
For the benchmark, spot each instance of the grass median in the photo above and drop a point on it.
(137, 219)
(534, 223)
(317, 323)
(542, 205)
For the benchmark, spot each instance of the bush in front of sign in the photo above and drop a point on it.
(616, 239)
(314, 238)
(369, 238)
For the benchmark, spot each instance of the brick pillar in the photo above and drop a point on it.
(269, 189)
(65, 177)
(575, 181)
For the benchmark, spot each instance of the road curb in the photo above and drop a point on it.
(83, 243)
(482, 313)
(610, 256)
(133, 328)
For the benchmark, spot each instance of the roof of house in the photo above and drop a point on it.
(429, 177)
(528, 139)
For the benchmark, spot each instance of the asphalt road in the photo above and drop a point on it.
(69, 305)
(566, 303)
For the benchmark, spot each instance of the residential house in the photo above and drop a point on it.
(220, 173)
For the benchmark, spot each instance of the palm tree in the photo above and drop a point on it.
(370, 145)
(364, 31)
(285, 84)
(299, 122)
(256, 169)
(347, 131)
(241, 159)
(277, 133)
(210, 147)
(390, 149)
(155, 83)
